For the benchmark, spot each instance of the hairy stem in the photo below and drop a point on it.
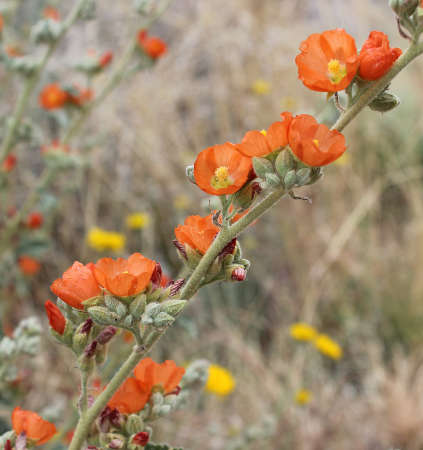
(31, 83)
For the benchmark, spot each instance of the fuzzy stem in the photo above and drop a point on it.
(376, 87)
(32, 81)
(83, 400)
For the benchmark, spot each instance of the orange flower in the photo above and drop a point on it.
(376, 57)
(105, 59)
(36, 429)
(28, 265)
(34, 220)
(130, 397)
(51, 13)
(123, 277)
(55, 317)
(9, 163)
(13, 51)
(79, 96)
(221, 169)
(150, 374)
(328, 62)
(261, 143)
(313, 143)
(52, 97)
(1, 23)
(153, 46)
(197, 232)
(76, 285)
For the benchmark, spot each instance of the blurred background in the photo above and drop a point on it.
(349, 264)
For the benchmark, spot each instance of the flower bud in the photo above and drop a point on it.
(238, 274)
(46, 31)
(245, 196)
(114, 305)
(102, 315)
(290, 179)
(262, 166)
(176, 286)
(137, 307)
(189, 172)
(303, 176)
(80, 338)
(106, 335)
(384, 102)
(141, 438)
(173, 307)
(404, 8)
(284, 163)
(181, 249)
(272, 180)
(163, 320)
(144, 7)
(134, 424)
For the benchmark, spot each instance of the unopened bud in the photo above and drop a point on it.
(90, 349)
(134, 424)
(262, 166)
(106, 335)
(102, 315)
(290, 179)
(176, 286)
(101, 355)
(181, 249)
(189, 171)
(80, 338)
(8, 445)
(173, 307)
(384, 102)
(137, 307)
(404, 8)
(272, 180)
(238, 274)
(141, 438)
(163, 320)
(284, 163)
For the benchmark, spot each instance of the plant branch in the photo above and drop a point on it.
(31, 83)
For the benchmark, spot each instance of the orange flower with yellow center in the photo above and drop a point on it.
(221, 169)
(313, 143)
(52, 97)
(261, 143)
(328, 62)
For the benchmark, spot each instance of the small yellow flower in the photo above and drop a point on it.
(303, 332)
(138, 220)
(102, 240)
(344, 160)
(181, 202)
(303, 396)
(328, 346)
(220, 381)
(261, 87)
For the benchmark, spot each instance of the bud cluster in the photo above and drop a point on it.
(282, 170)
(409, 15)
(46, 31)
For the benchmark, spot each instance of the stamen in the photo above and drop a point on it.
(263, 132)
(316, 142)
(221, 178)
(336, 71)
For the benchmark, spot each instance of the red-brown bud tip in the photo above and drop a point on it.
(9, 163)
(239, 274)
(90, 349)
(106, 335)
(86, 326)
(8, 445)
(141, 438)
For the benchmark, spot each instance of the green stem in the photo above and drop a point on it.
(31, 83)
(83, 400)
(46, 177)
(376, 87)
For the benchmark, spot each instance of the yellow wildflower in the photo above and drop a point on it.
(261, 87)
(138, 220)
(303, 396)
(181, 202)
(344, 160)
(101, 240)
(220, 381)
(328, 346)
(303, 332)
